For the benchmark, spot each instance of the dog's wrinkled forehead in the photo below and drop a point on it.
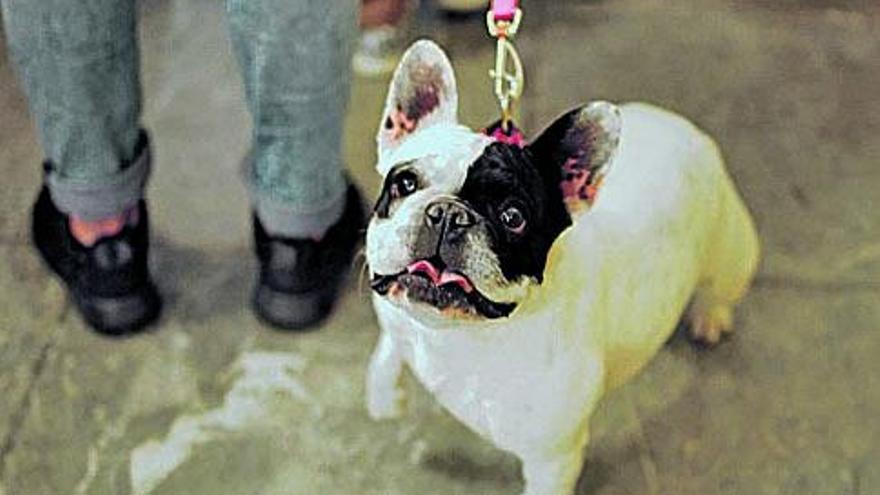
(442, 153)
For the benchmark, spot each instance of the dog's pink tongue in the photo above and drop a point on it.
(428, 268)
(454, 278)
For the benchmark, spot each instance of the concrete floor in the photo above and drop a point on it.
(213, 402)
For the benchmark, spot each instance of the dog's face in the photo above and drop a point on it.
(464, 224)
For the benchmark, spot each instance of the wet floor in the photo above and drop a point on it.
(213, 402)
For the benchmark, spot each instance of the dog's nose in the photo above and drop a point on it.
(451, 213)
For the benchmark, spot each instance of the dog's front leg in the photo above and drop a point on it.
(385, 397)
(552, 474)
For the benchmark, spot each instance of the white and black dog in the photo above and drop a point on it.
(520, 284)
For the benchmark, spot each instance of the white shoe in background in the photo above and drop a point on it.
(377, 51)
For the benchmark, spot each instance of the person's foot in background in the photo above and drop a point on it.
(380, 43)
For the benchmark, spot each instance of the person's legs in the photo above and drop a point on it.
(294, 57)
(78, 63)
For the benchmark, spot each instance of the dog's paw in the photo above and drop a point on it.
(388, 404)
(707, 326)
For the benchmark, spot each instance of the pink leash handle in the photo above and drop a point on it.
(504, 10)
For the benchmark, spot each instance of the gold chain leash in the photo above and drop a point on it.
(508, 85)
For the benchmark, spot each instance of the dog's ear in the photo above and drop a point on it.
(577, 151)
(422, 94)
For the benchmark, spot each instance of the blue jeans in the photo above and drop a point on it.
(78, 61)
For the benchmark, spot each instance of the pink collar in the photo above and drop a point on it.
(512, 136)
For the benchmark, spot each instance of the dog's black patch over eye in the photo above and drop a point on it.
(400, 182)
(521, 206)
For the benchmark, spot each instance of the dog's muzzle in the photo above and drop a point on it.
(430, 282)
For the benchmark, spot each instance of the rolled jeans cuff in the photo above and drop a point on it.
(287, 220)
(96, 199)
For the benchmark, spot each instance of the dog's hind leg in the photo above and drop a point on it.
(731, 262)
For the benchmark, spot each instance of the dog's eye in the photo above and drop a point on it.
(513, 220)
(404, 184)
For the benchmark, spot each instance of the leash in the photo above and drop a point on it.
(502, 21)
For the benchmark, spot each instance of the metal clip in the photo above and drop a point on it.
(508, 86)
(503, 28)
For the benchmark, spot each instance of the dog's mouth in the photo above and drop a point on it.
(430, 282)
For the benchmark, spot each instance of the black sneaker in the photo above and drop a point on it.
(109, 282)
(299, 279)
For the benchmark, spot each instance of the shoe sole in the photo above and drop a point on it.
(294, 311)
(120, 316)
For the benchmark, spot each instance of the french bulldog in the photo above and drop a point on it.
(521, 284)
